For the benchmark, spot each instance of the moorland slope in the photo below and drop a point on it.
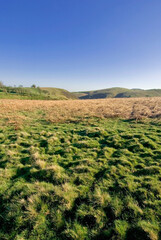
(118, 93)
(35, 93)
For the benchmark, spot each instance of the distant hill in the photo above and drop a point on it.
(35, 93)
(118, 93)
(58, 93)
(47, 93)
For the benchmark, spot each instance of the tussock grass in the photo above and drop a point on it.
(94, 178)
(16, 111)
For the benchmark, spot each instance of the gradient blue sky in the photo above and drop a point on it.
(81, 44)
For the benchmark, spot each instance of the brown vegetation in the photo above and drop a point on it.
(72, 110)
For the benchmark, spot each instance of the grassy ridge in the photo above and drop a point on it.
(35, 93)
(94, 179)
(118, 93)
(45, 93)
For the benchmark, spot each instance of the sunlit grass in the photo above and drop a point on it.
(92, 179)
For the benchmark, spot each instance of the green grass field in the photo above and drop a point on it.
(94, 179)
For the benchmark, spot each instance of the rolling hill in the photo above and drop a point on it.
(49, 93)
(35, 93)
(118, 93)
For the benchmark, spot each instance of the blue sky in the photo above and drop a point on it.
(81, 44)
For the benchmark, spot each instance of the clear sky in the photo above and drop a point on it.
(81, 44)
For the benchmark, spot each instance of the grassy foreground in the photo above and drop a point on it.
(91, 179)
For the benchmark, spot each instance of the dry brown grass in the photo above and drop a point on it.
(15, 111)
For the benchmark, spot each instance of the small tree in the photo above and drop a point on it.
(1, 84)
(33, 86)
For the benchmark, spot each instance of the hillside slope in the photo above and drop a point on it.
(118, 93)
(35, 93)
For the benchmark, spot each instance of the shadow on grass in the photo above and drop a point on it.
(3, 164)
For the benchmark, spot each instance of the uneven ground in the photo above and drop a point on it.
(70, 171)
(16, 111)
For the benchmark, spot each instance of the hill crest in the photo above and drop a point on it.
(35, 93)
(117, 92)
